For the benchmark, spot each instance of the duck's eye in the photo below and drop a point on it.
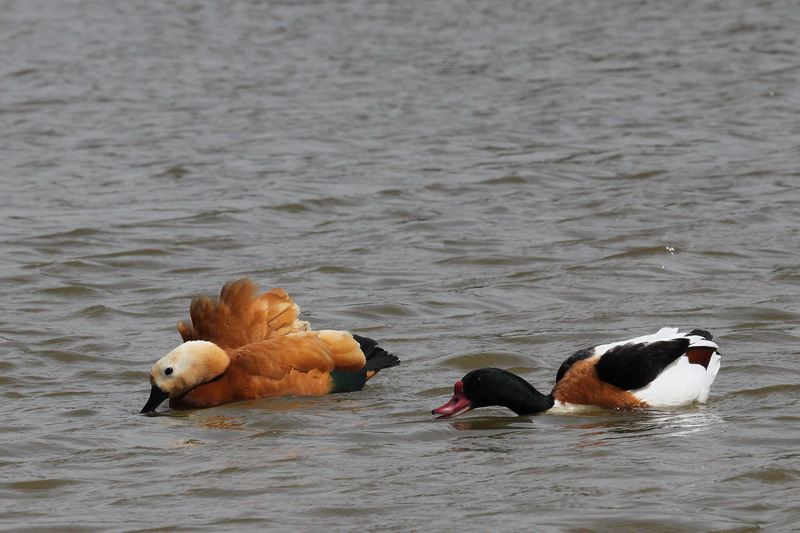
(168, 371)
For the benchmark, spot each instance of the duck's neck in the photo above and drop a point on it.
(530, 402)
(509, 390)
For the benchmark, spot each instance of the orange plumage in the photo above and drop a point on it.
(241, 316)
(245, 345)
(582, 386)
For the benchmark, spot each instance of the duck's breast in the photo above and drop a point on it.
(582, 386)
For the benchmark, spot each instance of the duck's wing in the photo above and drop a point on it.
(633, 366)
(636, 363)
(322, 351)
(241, 316)
(597, 351)
(299, 363)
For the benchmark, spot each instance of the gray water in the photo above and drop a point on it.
(472, 184)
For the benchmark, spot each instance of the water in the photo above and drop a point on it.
(471, 184)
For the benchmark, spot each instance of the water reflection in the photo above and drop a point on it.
(646, 424)
(492, 423)
(272, 405)
(602, 426)
(221, 422)
(204, 421)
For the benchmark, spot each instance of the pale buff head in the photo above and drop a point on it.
(184, 368)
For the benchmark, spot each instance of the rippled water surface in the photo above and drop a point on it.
(472, 184)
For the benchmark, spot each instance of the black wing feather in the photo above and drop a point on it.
(702, 333)
(377, 357)
(571, 360)
(633, 366)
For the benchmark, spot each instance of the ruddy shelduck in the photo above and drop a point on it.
(245, 346)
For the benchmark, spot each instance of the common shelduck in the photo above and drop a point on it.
(666, 369)
(246, 345)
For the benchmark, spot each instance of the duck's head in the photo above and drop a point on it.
(493, 386)
(473, 390)
(184, 368)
